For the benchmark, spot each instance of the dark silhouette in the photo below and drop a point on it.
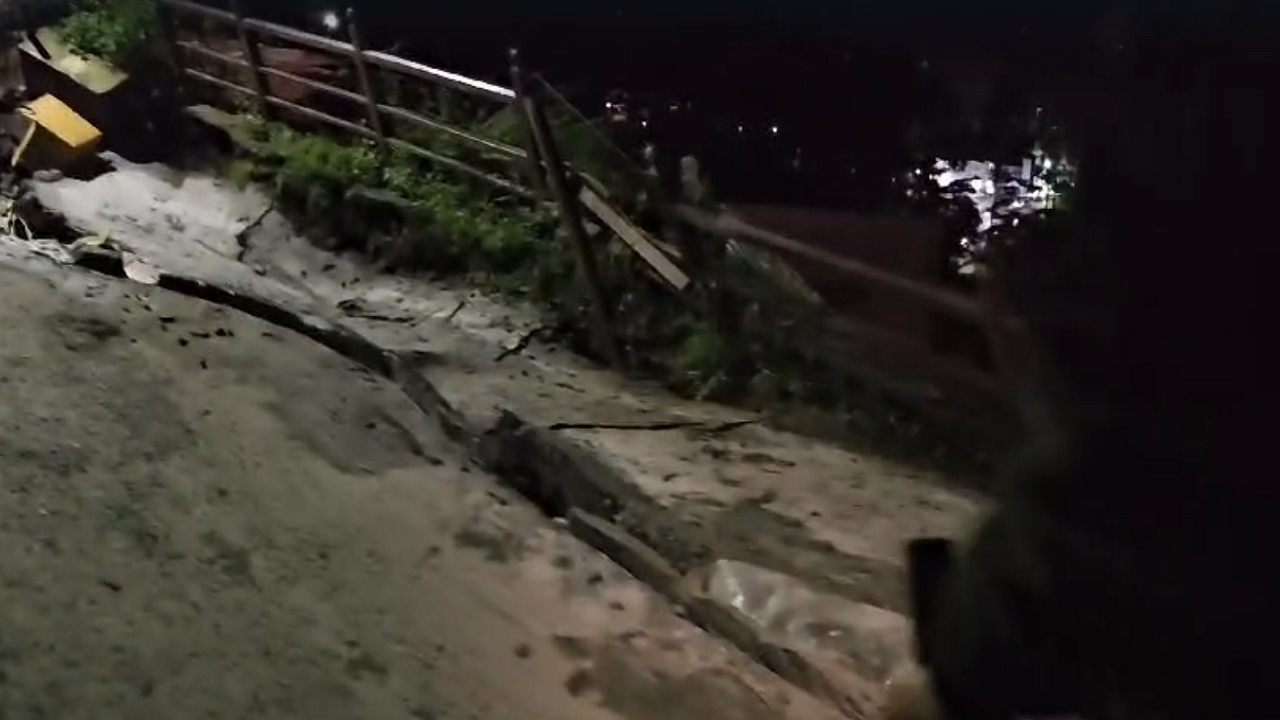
(1125, 567)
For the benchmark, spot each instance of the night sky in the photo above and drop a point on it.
(826, 108)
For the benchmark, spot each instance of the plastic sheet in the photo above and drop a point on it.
(789, 612)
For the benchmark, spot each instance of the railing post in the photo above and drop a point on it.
(571, 219)
(252, 55)
(362, 77)
(673, 231)
(29, 29)
(167, 28)
(524, 113)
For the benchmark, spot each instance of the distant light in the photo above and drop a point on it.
(773, 129)
(330, 20)
(741, 129)
(644, 123)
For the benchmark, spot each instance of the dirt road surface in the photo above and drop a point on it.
(202, 516)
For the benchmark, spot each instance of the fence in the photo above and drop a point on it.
(541, 173)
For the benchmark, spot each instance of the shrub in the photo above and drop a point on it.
(110, 29)
(465, 225)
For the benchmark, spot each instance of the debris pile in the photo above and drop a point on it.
(42, 139)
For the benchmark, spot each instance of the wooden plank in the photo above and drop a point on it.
(217, 81)
(634, 237)
(196, 48)
(305, 39)
(440, 77)
(313, 85)
(493, 146)
(461, 167)
(354, 128)
(201, 10)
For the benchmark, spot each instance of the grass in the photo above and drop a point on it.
(449, 224)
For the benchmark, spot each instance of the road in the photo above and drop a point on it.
(203, 516)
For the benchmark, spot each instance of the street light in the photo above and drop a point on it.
(331, 21)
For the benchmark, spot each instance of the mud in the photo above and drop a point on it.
(667, 549)
(208, 516)
(664, 487)
(657, 543)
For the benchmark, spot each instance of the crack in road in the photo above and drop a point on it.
(656, 425)
(242, 237)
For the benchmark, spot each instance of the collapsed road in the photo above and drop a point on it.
(205, 516)
(679, 494)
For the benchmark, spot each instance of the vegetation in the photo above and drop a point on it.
(110, 29)
(729, 348)
(454, 226)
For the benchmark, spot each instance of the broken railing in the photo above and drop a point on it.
(844, 335)
(543, 174)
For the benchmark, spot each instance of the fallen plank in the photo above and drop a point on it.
(634, 237)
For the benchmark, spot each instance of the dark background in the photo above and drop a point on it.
(856, 96)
